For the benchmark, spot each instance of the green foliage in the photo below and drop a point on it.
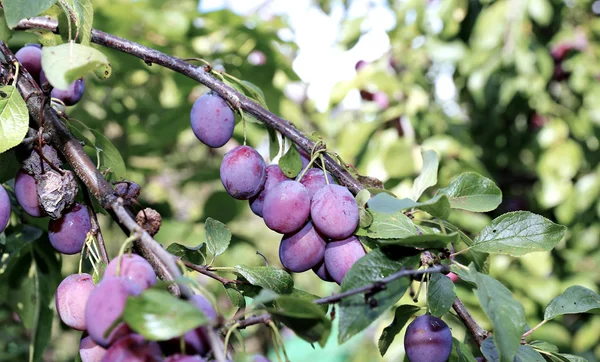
(14, 117)
(65, 63)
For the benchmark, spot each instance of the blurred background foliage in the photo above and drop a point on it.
(506, 88)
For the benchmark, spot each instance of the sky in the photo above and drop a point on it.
(320, 63)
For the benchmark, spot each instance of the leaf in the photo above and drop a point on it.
(23, 236)
(543, 346)
(528, 354)
(389, 226)
(42, 293)
(65, 63)
(218, 236)
(356, 315)
(16, 10)
(507, 315)
(5, 32)
(365, 217)
(473, 192)
(438, 206)
(306, 319)
(255, 93)
(571, 358)
(236, 298)
(110, 157)
(298, 293)
(159, 316)
(428, 176)
(267, 277)
(290, 162)
(193, 255)
(460, 352)
(425, 241)
(441, 293)
(14, 118)
(264, 296)
(576, 299)
(83, 11)
(274, 145)
(401, 315)
(489, 350)
(10, 165)
(519, 233)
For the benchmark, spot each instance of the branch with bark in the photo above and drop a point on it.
(163, 262)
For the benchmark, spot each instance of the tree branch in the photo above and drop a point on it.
(203, 269)
(478, 333)
(84, 167)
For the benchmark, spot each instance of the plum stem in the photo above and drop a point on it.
(534, 328)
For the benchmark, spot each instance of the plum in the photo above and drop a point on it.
(105, 305)
(133, 348)
(243, 172)
(4, 208)
(304, 157)
(341, 255)
(274, 177)
(204, 305)
(68, 234)
(72, 295)
(184, 358)
(302, 250)
(314, 179)
(90, 351)
(286, 207)
(212, 120)
(133, 267)
(30, 56)
(71, 95)
(428, 339)
(455, 278)
(334, 211)
(259, 358)
(26, 194)
(322, 272)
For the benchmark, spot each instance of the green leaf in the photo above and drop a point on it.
(255, 93)
(473, 192)
(5, 32)
(575, 299)
(22, 237)
(10, 165)
(14, 118)
(428, 176)
(16, 10)
(267, 277)
(401, 315)
(290, 162)
(489, 350)
(159, 316)
(41, 297)
(83, 11)
(298, 293)
(218, 236)
(305, 318)
(65, 63)
(507, 315)
(236, 298)
(441, 293)
(110, 157)
(518, 233)
(528, 354)
(356, 315)
(543, 346)
(193, 255)
(460, 352)
(571, 357)
(438, 206)
(274, 145)
(389, 226)
(425, 241)
(540, 11)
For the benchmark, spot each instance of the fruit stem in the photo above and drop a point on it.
(228, 335)
(534, 328)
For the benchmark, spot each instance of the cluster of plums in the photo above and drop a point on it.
(316, 216)
(30, 56)
(93, 309)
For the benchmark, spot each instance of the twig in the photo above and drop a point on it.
(203, 269)
(95, 226)
(381, 284)
(259, 319)
(478, 333)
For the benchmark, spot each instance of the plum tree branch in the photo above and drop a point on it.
(198, 73)
(88, 173)
(46, 117)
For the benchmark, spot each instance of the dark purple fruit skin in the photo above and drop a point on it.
(90, 351)
(274, 177)
(72, 95)
(341, 255)
(314, 179)
(287, 207)
(322, 272)
(204, 305)
(26, 194)
(105, 305)
(67, 234)
(72, 295)
(4, 208)
(133, 348)
(243, 172)
(212, 120)
(30, 56)
(302, 250)
(134, 268)
(428, 339)
(304, 157)
(259, 358)
(184, 358)
(334, 212)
